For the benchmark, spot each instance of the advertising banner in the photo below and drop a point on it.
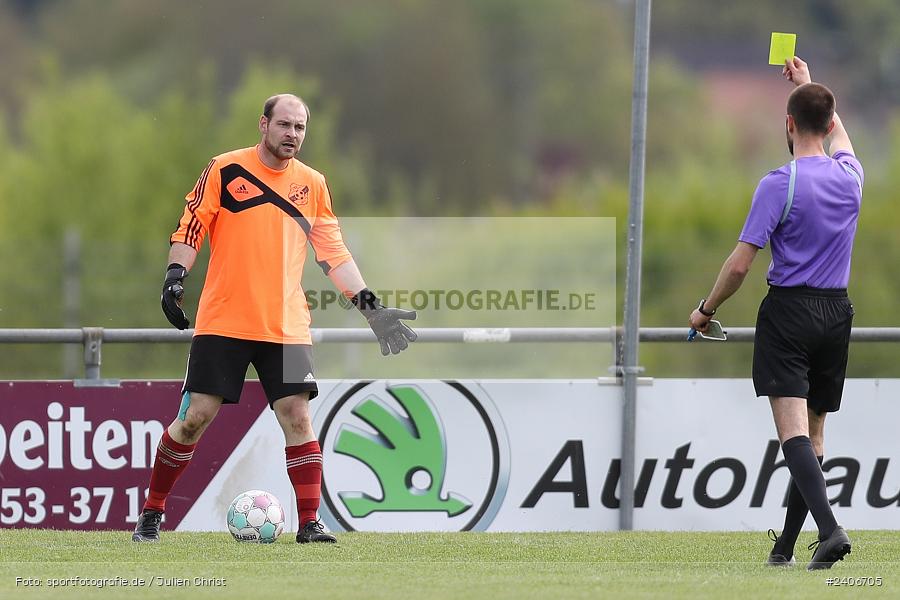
(709, 458)
(432, 455)
(80, 457)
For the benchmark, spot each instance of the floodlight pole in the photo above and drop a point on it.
(630, 368)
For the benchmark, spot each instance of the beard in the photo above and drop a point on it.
(790, 142)
(280, 151)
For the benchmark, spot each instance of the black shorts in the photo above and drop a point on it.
(217, 365)
(801, 345)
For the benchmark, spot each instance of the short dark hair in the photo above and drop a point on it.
(812, 106)
(270, 103)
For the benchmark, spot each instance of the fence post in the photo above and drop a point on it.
(93, 344)
(632, 316)
(71, 296)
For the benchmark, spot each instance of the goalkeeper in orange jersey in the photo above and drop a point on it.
(260, 206)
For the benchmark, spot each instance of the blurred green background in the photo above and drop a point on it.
(109, 110)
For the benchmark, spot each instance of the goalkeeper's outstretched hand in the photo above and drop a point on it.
(387, 323)
(173, 292)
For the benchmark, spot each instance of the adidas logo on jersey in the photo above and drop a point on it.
(309, 378)
(241, 189)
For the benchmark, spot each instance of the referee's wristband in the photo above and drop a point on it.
(704, 312)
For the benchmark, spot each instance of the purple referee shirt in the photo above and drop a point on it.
(808, 209)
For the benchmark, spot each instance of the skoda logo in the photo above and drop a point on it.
(412, 456)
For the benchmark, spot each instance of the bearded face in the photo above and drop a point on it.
(283, 133)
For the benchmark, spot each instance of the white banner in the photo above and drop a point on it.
(726, 469)
(543, 455)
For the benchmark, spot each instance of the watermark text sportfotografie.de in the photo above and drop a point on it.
(469, 300)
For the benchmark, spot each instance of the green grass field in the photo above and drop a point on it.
(438, 566)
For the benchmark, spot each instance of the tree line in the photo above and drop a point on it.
(491, 108)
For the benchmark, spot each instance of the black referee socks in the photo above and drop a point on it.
(794, 518)
(807, 475)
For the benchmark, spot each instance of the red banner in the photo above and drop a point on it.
(80, 457)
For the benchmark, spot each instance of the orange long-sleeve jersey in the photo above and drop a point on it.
(259, 220)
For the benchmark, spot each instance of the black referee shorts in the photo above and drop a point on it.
(217, 365)
(801, 345)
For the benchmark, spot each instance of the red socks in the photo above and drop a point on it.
(304, 467)
(171, 459)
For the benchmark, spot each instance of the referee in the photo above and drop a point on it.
(807, 210)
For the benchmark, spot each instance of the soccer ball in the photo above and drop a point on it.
(255, 516)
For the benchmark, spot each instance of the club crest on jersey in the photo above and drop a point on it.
(299, 194)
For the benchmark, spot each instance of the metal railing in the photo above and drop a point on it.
(93, 338)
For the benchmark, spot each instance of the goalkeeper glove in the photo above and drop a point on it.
(392, 334)
(173, 292)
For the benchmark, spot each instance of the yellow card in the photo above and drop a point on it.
(782, 48)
